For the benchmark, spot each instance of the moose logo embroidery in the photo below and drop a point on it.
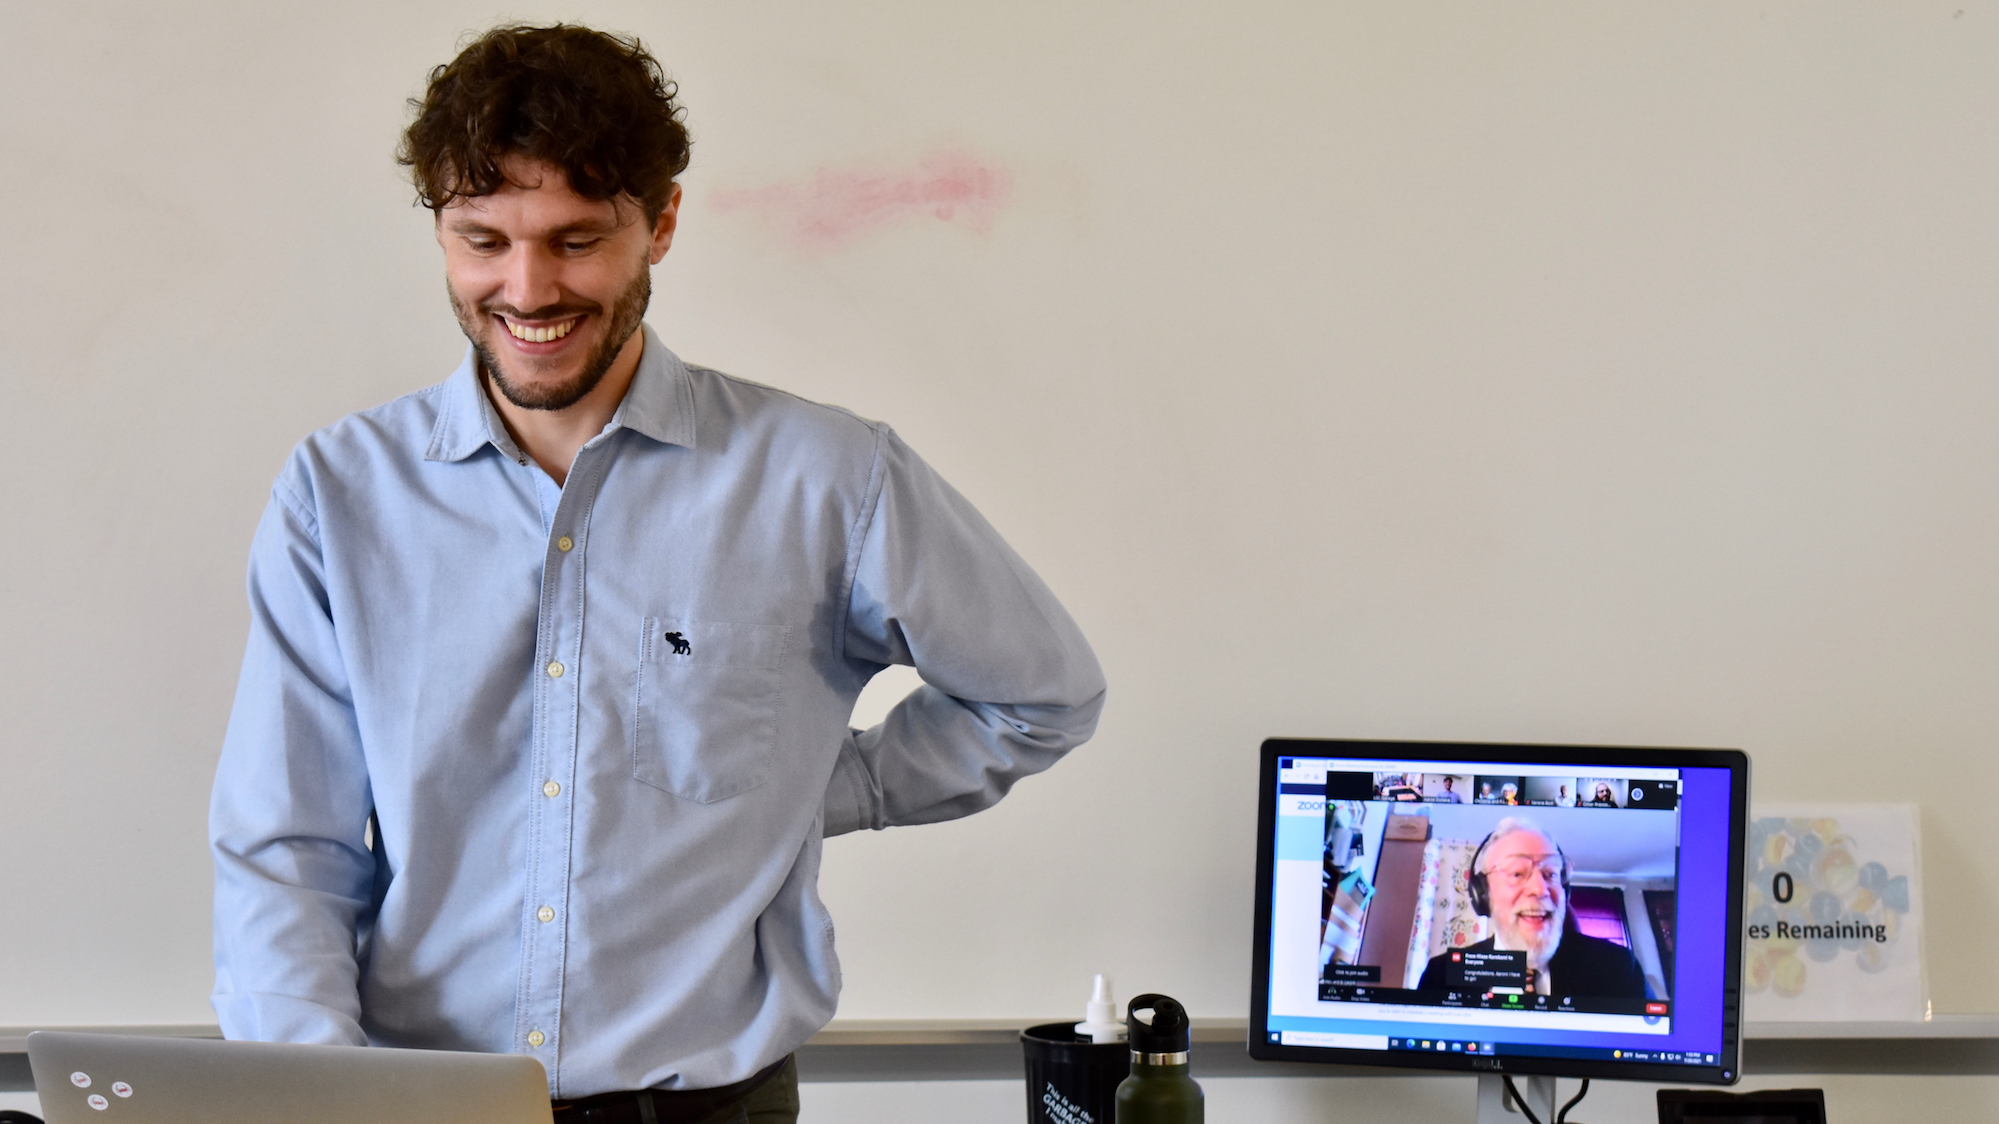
(680, 645)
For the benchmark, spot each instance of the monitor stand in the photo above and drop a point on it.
(1492, 1106)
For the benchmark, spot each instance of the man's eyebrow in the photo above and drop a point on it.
(585, 226)
(468, 226)
(580, 226)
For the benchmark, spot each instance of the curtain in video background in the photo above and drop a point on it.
(1444, 916)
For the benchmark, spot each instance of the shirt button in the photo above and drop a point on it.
(536, 1038)
(545, 913)
(555, 669)
(564, 544)
(551, 790)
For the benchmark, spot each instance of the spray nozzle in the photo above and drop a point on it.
(1100, 1022)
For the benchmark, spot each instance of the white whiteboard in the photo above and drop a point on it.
(1534, 371)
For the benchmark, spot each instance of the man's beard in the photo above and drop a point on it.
(1539, 951)
(626, 314)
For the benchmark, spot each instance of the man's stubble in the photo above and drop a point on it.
(626, 315)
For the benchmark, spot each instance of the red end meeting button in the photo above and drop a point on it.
(1655, 1008)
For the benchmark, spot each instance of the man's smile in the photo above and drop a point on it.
(538, 333)
(1534, 920)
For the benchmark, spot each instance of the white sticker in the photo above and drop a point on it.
(80, 1079)
(98, 1102)
(120, 1088)
(1834, 910)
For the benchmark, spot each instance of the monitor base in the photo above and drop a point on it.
(1493, 1106)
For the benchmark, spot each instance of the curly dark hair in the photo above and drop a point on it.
(595, 105)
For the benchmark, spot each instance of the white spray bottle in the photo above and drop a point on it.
(1100, 1015)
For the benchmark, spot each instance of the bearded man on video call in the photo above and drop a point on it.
(1527, 888)
(543, 713)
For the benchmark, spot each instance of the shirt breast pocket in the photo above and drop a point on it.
(706, 725)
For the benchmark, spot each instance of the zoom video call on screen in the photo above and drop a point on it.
(1487, 908)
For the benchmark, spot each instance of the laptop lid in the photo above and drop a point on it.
(125, 1079)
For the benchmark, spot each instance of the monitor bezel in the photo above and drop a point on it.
(1727, 1069)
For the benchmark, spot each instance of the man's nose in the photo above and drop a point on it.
(532, 280)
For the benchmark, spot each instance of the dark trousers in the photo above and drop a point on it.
(772, 1100)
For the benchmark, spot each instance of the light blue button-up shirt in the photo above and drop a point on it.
(523, 768)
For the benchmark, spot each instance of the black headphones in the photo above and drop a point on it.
(1481, 893)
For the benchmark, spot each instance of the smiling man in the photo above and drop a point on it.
(1520, 879)
(551, 289)
(543, 714)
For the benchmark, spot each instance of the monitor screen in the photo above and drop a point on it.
(1558, 910)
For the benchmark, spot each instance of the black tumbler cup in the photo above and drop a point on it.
(1072, 1080)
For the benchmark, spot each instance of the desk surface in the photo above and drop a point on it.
(989, 1049)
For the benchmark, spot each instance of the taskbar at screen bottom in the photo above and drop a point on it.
(1585, 1053)
(1492, 1055)
(1498, 999)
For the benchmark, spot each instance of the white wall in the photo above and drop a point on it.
(1538, 371)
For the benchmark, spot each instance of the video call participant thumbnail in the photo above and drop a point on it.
(1398, 786)
(1600, 792)
(1520, 879)
(1442, 788)
(1499, 790)
(1556, 792)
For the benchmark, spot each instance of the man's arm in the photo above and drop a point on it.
(293, 872)
(1009, 683)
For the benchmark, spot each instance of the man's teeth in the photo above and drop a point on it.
(538, 335)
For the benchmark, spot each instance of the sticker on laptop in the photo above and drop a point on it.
(80, 1079)
(98, 1102)
(120, 1088)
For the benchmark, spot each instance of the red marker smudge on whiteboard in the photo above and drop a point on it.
(836, 205)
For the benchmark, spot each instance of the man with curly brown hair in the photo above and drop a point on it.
(543, 714)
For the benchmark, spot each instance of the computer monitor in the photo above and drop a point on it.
(1500, 909)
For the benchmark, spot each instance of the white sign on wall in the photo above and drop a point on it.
(1834, 910)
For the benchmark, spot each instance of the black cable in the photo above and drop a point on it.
(1562, 1117)
(1519, 1101)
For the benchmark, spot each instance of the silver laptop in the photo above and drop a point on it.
(122, 1079)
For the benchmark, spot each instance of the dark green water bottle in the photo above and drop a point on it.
(1158, 1090)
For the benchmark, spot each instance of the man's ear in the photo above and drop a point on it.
(664, 226)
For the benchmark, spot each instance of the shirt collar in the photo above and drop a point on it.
(659, 404)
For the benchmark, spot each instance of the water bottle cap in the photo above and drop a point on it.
(1166, 1031)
